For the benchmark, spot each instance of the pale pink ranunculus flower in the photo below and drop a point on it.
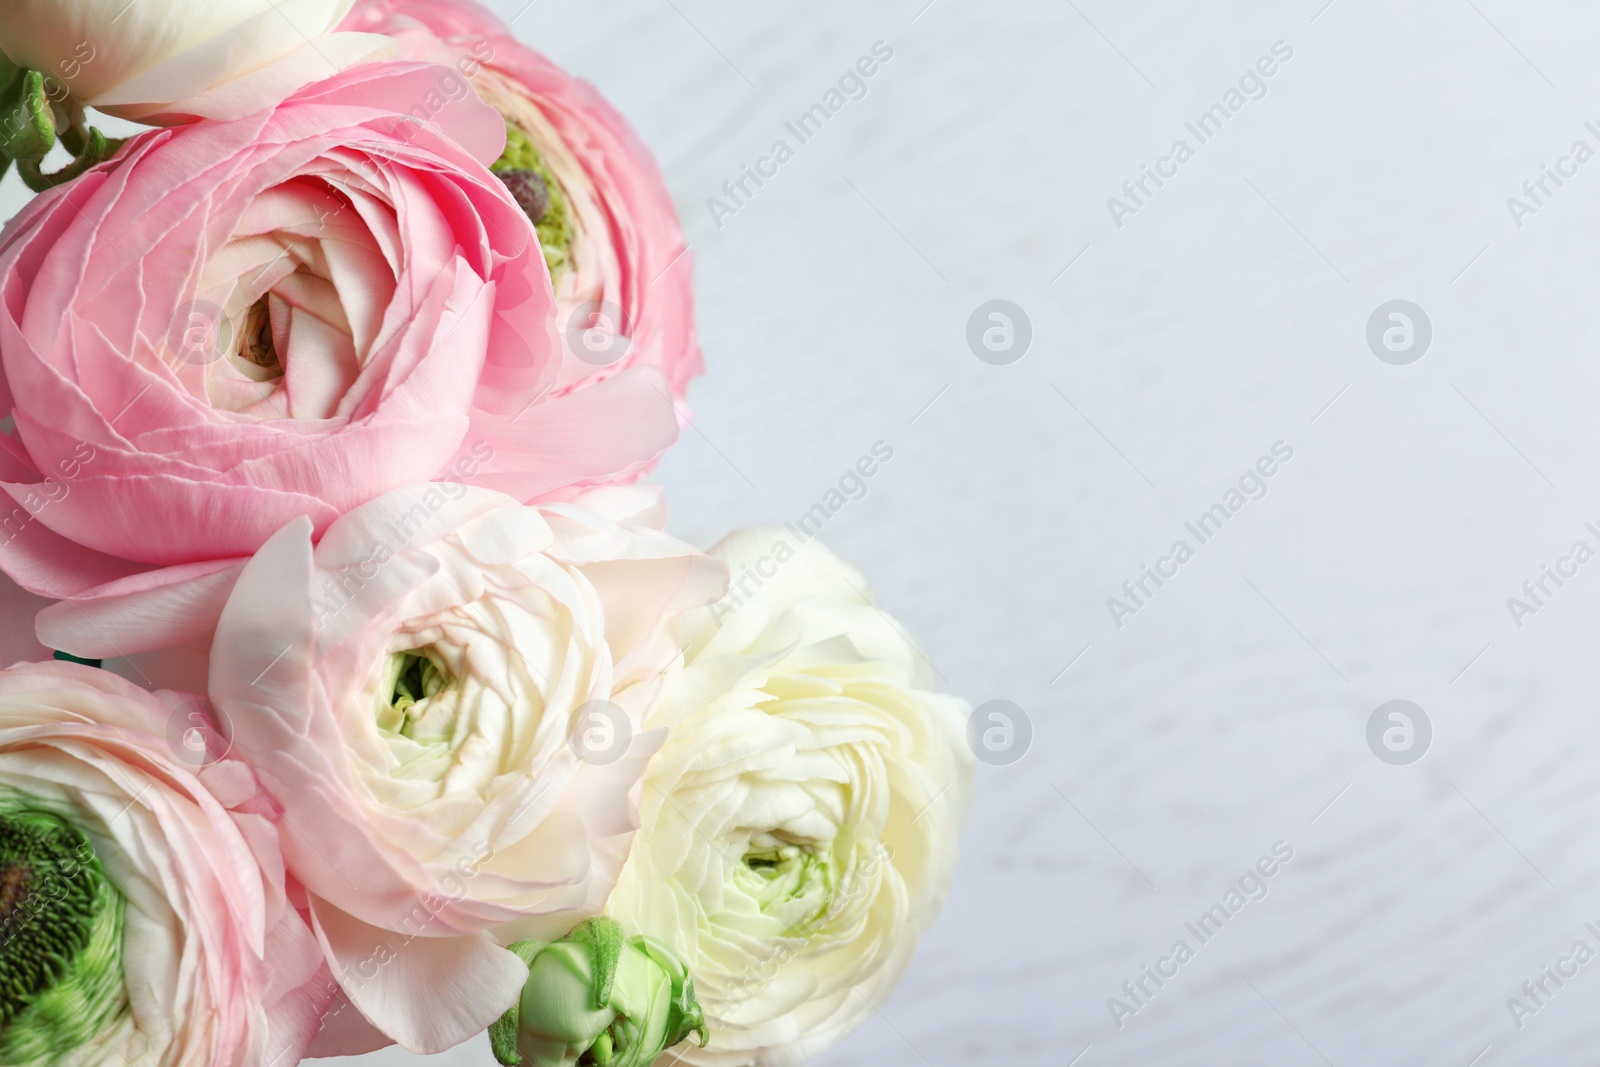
(235, 324)
(446, 695)
(196, 955)
(616, 250)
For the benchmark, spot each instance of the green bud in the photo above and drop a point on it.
(31, 125)
(27, 121)
(596, 998)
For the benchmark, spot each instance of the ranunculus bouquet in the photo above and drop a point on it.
(357, 694)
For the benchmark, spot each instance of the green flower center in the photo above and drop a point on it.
(47, 895)
(554, 223)
(414, 677)
(796, 882)
(61, 978)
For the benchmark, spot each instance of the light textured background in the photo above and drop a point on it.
(1227, 314)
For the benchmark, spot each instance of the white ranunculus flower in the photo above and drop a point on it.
(799, 826)
(177, 60)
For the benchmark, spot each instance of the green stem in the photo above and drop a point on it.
(95, 151)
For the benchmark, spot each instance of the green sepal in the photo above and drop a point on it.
(605, 939)
(67, 657)
(503, 1031)
(686, 1017)
(86, 142)
(27, 121)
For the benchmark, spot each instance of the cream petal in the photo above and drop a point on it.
(221, 47)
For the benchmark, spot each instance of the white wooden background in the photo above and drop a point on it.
(1227, 314)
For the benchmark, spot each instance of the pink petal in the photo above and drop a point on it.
(471, 981)
(605, 432)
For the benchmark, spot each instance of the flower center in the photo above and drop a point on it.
(414, 678)
(60, 938)
(540, 196)
(773, 862)
(256, 343)
(15, 882)
(530, 192)
(46, 897)
(794, 881)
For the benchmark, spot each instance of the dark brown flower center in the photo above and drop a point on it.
(15, 881)
(530, 192)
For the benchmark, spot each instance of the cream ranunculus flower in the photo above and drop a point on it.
(168, 61)
(799, 826)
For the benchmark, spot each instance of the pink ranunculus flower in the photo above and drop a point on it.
(445, 694)
(610, 232)
(145, 913)
(234, 324)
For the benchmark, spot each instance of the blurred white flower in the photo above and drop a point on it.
(168, 61)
